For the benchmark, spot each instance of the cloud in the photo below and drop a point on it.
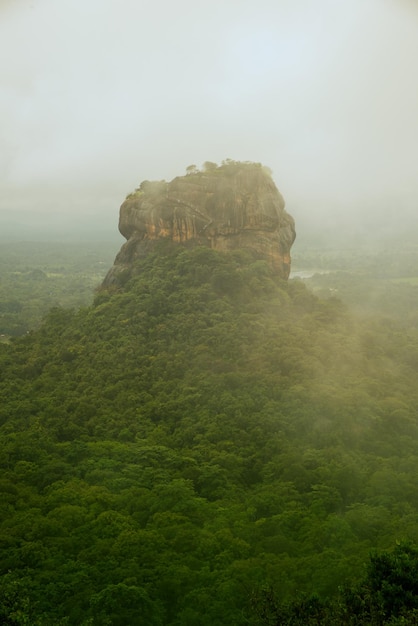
(103, 94)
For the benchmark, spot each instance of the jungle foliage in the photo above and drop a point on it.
(34, 277)
(209, 445)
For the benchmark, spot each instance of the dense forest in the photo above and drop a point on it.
(372, 280)
(34, 277)
(210, 445)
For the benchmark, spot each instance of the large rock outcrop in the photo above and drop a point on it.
(235, 205)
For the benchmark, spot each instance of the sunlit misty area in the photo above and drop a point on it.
(98, 96)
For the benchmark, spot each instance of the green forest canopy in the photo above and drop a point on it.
(205, 434)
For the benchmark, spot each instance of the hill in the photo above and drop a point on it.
(205, 433)
(235, 205)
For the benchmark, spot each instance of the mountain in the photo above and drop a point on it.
(203, 445)
(228, 207)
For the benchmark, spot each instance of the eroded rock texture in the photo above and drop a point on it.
(235, 205)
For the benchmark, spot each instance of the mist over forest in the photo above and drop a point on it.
(204, 421)
(192, 437)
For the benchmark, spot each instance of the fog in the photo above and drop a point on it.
(99, 95)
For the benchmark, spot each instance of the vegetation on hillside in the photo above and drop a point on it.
(228, 168)
(213, 446)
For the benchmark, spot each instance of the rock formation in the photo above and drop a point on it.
(235, 205)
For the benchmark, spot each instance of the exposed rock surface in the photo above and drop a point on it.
(235, 205)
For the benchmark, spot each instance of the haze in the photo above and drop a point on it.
(97, 96)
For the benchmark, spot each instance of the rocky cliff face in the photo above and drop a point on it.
(235, 205)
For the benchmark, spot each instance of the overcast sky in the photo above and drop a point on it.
(98, 95)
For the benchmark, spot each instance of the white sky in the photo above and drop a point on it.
(98, 95)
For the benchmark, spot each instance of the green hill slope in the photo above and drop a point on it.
(207, 432)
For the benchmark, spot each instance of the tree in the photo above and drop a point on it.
(392, 581)
(121, 604)
(209, 166)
